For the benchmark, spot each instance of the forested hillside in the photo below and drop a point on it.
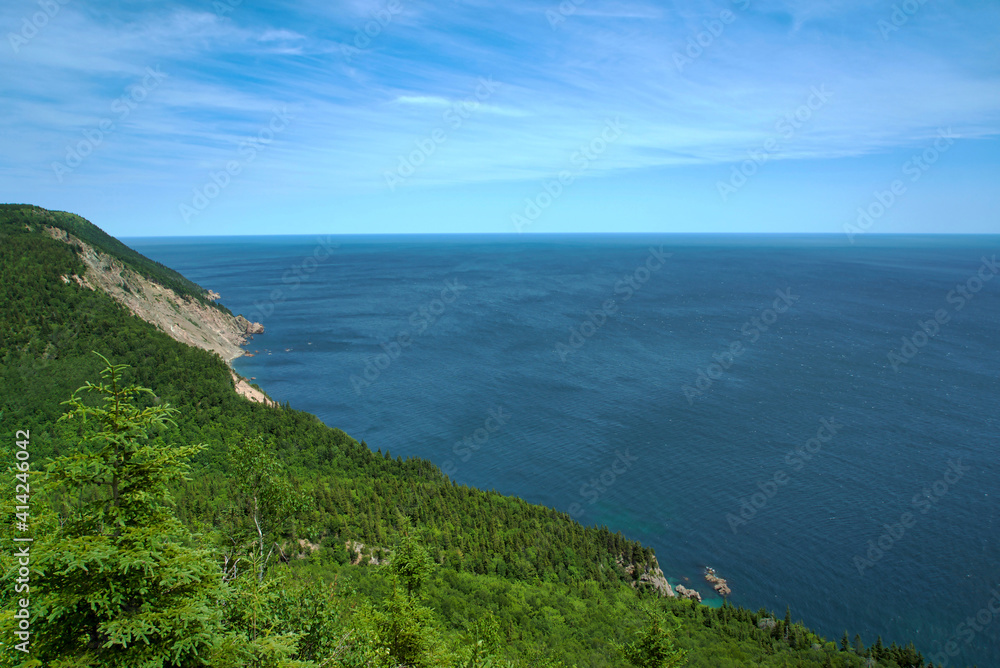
(18, 217)
(301, 546)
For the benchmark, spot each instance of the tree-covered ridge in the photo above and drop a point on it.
(48, 329)
(503, 580)
(17, 219)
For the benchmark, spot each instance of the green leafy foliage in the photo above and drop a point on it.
(262, 499)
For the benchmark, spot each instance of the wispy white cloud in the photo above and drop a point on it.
(280, 36)
(357, 110)
(431, 100)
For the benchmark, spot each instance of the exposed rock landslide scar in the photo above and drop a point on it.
(183, 318)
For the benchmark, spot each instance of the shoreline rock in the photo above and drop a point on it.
(248, 391)
(717, 583)
(684, 592)
(249, 328)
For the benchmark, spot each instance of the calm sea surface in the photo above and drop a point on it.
(730, 401)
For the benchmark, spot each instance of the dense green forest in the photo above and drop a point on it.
(22, 216)
(177, 524)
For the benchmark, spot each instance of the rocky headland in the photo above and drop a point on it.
(182, 318)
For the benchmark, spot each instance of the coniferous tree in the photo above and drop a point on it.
(878, 649)
(119, 585)
(402, 629)
(410, 565)
(654, 647)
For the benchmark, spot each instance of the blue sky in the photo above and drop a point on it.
(317, 116)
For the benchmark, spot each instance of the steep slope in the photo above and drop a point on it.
(18, 217)
(184, 319)
(159, 295)
(51, 322)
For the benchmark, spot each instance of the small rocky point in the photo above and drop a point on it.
(249, 328)
(684, 592)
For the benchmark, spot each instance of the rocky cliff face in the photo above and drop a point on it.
(184, 319)
(249, 328)
(245, 389)
(648, 577)
(657, 581)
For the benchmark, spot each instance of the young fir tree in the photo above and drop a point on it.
(119, 584)
(411, 565)
(402, 630)
(878, 649)
(654, 647)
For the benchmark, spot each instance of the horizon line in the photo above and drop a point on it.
(566, 234)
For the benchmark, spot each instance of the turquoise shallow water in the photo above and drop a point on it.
(677, 394)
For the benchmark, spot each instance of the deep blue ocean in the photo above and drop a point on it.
(741, 402)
